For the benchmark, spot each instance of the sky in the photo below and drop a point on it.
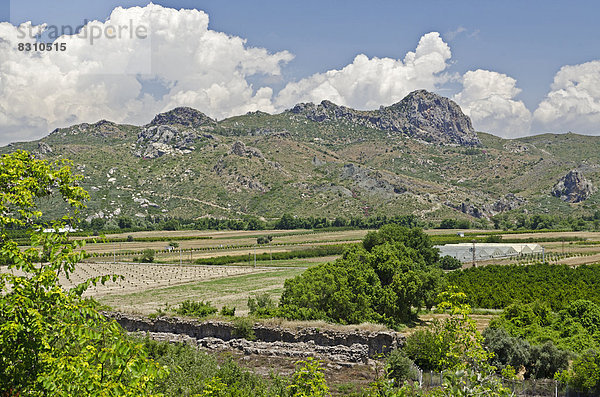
(515, 67)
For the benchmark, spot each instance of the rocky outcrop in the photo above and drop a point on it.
(240, 149)
(573, 187)
(507, 203)
(421, 114)
(173, 133)
(102, 128)
(184, 117)
(44, 148)
(317, 162)
(371, 181)
(357, 344)
(156, 141)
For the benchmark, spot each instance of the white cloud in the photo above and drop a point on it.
(488, 98)
(367, 83)
(200, 67)
(573, 102)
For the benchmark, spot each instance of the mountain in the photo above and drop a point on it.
(420, 155)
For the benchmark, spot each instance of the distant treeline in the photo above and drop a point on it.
(518, 223)
(313, 252)
(125, 224)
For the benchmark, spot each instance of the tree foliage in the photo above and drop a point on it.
(52, 341)
(382, 281)
(498, 286)
(574, 328)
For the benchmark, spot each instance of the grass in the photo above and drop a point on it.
(230, 291)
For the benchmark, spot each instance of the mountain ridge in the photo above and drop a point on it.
(340, 164)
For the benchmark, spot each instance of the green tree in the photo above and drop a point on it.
(52, 341)
(148, 255)
(125, 222)
(584, 375)
(308, 379)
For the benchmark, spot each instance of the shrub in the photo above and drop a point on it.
(262, 305)
(308, 379)
(546, 360)
(449, 263)
(243, 327)
(196, 309)
(147, 255)
(130, 238)
(264, 239)
(399, 367)
(227, 311)
(584, 374)
(426, 350)
(508, 350)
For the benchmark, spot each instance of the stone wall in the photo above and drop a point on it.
(373, 342)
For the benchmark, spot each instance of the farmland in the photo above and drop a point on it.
(173, 277)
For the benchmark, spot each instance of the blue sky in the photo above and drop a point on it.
(528, 41)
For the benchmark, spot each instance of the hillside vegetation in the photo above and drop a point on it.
(418, 157)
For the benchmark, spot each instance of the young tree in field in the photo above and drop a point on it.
(53, 341)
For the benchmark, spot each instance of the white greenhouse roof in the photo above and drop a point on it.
(464, 251)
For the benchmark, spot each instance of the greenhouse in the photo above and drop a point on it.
(464, 251)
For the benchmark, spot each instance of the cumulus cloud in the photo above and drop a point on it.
(573, 102)
(199, 67)
(489, 99)
(367, 83)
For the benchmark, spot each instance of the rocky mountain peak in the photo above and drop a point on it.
(421, 114)
(173, 133)
(183, 116)
(573, 187)
(433, 118)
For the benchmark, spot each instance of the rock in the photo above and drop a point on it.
(317, 162)
(156, 141)
(421, 114)
(347, 345)
(573, 187)
(185, 117)
(371, 181)
(252, 184)
(173, 133)
(44, 148)
(240, 149)
(507, 203)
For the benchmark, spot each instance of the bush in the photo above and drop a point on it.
(546, 360)
(243, 327)
(309, 379)
(449, 263)
(196, 309)
(227, 311)
(399, 367)
(195, 373)
(584, 375)
(147, 255)
(130, 238)
(262, 305)
(264, 239)
(507, 349)
(426, 350)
